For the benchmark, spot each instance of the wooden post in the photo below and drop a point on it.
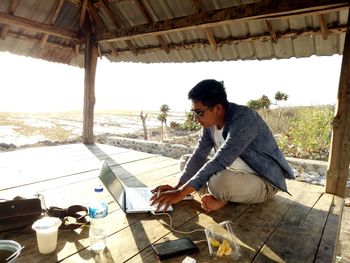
(338, 164)
(90, 63)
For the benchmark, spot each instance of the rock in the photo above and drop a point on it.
(295, 172)
(322, 181)
(8, 146)
(314, 174)
(347, 202)
(300, 179)
(155, 133)
(5, 147)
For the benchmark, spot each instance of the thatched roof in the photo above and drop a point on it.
(173, 31)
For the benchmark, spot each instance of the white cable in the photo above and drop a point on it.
(200, 241)
(171, 224)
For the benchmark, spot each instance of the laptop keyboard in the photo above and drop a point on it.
(139, 197)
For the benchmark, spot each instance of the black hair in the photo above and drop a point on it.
(210, 92)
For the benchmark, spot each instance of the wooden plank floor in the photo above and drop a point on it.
(298, 228)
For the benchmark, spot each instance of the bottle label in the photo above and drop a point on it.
(98, 210)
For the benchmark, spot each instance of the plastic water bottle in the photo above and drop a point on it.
(98, 211)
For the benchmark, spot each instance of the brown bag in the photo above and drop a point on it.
(19, 213)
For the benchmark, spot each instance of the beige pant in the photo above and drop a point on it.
(239, 187)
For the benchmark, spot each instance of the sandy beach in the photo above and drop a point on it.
(25, 129)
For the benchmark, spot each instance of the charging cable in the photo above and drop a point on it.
(171, 224)
(181, 232)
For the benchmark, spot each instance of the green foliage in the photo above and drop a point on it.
(265, 102)
(254, 104)
(262, 103)
(308, 133)
(165, 108)
(175, 126)
(279, 119)
(163, 114)
(190, 123)
(280, 96)
(162, 117)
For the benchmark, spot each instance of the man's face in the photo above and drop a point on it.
(206, 116)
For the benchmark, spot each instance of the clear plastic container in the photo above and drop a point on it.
(46, 229)
(97, 236)
(221, 241)
(98, 211)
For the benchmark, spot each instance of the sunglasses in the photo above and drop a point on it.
(200, 113)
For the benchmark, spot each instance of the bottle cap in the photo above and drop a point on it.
(99, 189)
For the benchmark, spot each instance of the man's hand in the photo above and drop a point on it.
(170, 196)
(162, 188)
(165, 199)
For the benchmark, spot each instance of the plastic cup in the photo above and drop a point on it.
(9, 249)
(46, 229)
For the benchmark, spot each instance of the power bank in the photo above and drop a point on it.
(173, 248)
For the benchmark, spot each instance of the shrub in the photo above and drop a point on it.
(190, 123)
(308, 134)
(175, 126)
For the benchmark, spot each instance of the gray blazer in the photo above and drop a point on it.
(246, 136)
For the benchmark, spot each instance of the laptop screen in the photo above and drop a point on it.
(113, 185)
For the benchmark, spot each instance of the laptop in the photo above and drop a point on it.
(130, 199)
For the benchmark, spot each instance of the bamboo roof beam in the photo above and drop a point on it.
(149, 19)
(197, 6)
(271, 31)
(77, 49)
(55, 14)
(211, 38)
(323, 26)
(208, 31)
(188, 45)
(36, 39)
(82, 20)
(259, 11)
(82, 14)
(116, 23)
(163, 43)
(101, 27)
(12, 9)
(35, 26)
(200, 43)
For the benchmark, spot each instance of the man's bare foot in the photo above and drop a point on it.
(210, 203)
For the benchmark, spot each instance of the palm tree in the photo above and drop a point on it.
(162, 117)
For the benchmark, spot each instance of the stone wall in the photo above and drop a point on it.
(166, 149)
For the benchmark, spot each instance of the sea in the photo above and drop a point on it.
(29, 128)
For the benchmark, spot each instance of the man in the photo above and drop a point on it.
(247, 166)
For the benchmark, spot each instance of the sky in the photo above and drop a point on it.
(33, 85)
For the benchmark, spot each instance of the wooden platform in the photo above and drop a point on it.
(298, 228)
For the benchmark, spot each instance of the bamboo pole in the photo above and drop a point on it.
(338, 164)
(90, 63)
